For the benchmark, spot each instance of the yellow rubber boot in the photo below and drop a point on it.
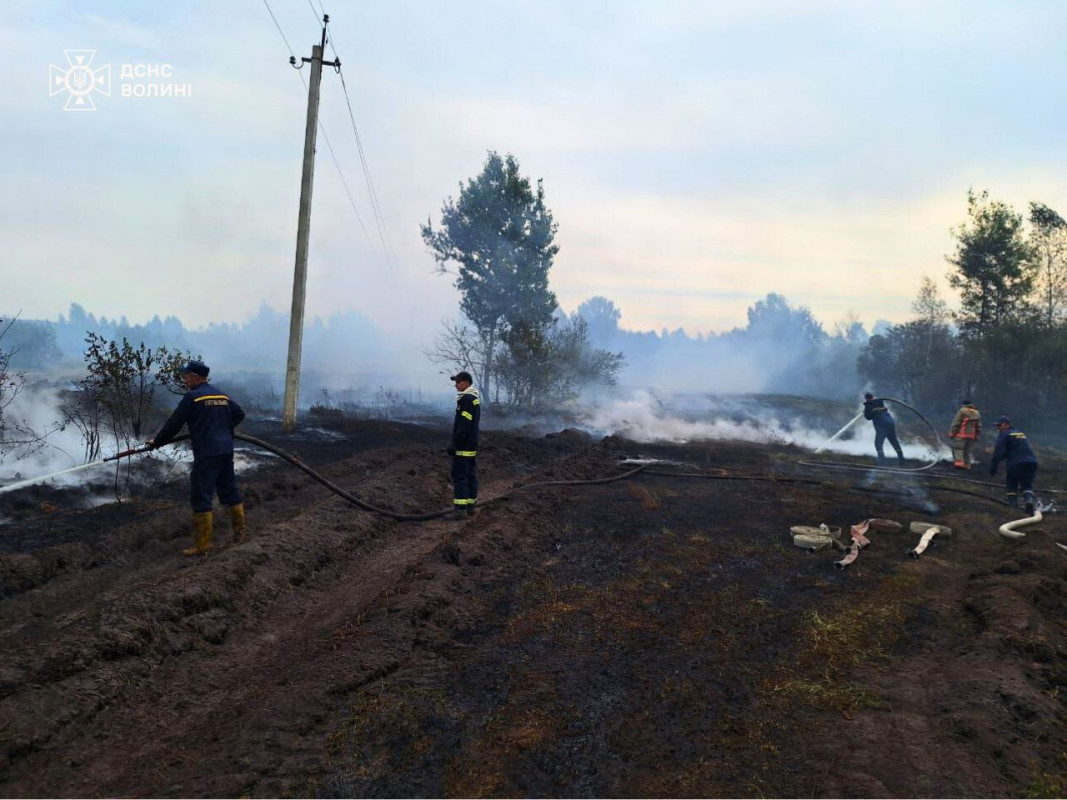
(237, 522)
(203, 523)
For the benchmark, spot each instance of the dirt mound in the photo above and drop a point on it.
(655, 636)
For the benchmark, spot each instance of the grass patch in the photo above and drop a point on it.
(840, 637)
(1042, 784)
(828, 695)
(650, 499)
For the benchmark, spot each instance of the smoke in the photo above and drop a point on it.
(645, 416)
(51, 448)
(58, 449)
(782, 348)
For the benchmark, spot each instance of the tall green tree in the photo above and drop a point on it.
(500, 237)
(918, 362)
(1048, 237)
(994, 269)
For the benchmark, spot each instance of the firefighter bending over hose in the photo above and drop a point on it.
(884, 427)
(965, 430)
(1021, 464)
(464, 447)
(211, 416)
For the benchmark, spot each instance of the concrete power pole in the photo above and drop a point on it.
(303, 231)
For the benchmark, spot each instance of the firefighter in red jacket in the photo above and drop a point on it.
(965, 430)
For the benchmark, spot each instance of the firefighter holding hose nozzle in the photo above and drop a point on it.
(211, 416)
(1020, 462)
(875, 410)
(964, 432)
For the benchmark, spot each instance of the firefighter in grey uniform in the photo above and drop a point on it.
(464, 449)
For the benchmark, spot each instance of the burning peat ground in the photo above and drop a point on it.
(655, 636)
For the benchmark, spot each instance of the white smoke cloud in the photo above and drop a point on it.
(37, 409)
(644, 417)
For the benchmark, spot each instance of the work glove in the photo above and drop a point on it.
(450, 450)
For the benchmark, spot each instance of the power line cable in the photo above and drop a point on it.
(322, 130)
(280, 31)
(376, 207)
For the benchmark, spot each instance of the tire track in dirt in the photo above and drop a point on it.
(246, 659)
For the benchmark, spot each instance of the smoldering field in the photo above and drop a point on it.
(656, 636)
(640, 415)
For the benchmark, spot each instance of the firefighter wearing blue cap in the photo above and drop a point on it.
(884, 427)
(464, 447)
(211, 417)
(1020, 462)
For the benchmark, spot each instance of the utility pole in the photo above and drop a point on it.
(303, 231)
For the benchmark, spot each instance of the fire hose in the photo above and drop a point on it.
(896, 470)
(363, 504)
(1007, 530)
(415, 517)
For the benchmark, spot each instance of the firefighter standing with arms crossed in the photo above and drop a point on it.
(965, 430)
(211, 416)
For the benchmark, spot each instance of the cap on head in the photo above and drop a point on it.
(462, 376)
(965, 401)
(1004, 420)
(197, 368)
(868, 396)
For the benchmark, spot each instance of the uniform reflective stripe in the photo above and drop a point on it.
(477, 401)
(467, 414)
(467, 453)
(461, 502)
(211, 397)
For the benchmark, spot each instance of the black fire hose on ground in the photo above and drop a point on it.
(812, 482)
(351, 498)
(296, 462)
(363, 504)
(422, 517)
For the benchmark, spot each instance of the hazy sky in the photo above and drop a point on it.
(696, 155)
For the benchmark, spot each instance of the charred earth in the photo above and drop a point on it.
(656, 636)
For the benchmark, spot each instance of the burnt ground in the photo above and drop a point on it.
(657, 636)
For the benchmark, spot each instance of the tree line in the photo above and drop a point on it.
(497, 241)
(1005, 347)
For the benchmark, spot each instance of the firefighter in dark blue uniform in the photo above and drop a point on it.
(464, 447)
(875, 410)
(1020, 462)
(211, 416)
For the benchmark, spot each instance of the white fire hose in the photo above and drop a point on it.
(1008, 531)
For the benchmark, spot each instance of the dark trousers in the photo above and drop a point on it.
(464, 481)
(213, 474)
(881, 434)
(1020, 479)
